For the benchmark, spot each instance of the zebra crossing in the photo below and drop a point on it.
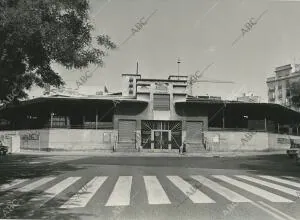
(155, 189)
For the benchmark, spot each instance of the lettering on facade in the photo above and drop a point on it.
(283, 141)
(31, 136)
(161, 87)
(143, 87)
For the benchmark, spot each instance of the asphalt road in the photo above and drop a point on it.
(75, 187)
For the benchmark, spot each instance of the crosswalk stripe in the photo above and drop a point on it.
(255, 190)
(54, 190)
(85, 193)
(191, 192)
(273, 214)
(277, 211)
(289, 177)
(279, 180)
(271, 185)
(12, 184)
(155, 192)
(36, 184)
(120, 195)
(227, 193)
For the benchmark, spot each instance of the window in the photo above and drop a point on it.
(59, 121)
(4, 122)
(161, 102)
(272, 95)
(271, 90)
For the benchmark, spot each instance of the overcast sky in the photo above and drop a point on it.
(199, 32)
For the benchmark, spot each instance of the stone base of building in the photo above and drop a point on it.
(105, 140)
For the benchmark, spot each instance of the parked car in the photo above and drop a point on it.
(293, 152)
(3, 149)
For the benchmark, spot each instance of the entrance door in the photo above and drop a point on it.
(194, 130)
(165, 139)
(161, 134)
(127, 131)
(161, 139)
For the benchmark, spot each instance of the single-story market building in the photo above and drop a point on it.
(148, 115)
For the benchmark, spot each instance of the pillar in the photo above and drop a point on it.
(266, 129)
(83, 120)
(51, 119)
(223, 119)
(96, 118)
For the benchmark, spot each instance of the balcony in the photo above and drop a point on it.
(271, 90)
(271, 79)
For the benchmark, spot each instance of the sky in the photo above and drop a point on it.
(200, 32)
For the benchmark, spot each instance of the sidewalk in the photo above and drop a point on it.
(150, 154)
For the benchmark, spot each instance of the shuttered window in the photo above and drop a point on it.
(161, 102)
(127, 131)
(194, 131)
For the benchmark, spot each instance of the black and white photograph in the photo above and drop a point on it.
(150, 109)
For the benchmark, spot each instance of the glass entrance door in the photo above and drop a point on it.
(165, 139)
(161, 134)
(161, 139)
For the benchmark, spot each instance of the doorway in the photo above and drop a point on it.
(161, 135)
(161, 139)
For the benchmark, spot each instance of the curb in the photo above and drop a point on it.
(152, 154)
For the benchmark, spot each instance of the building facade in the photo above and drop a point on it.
(279, 86)
(152, 115)
(249, 98)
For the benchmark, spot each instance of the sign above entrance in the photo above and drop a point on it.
(161, 87)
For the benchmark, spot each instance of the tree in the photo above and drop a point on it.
(34, 34)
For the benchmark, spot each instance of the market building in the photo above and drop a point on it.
(152, 115)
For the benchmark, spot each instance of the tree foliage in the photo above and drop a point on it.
(34, 34)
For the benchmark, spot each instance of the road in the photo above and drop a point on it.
(95, 187)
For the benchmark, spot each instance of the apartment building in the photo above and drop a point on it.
(279, 86)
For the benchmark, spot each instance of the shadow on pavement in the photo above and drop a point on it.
(278, 165)
(24, 166)
(19, 167)
(263, 163)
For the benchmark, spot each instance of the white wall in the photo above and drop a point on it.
(254, 141)
(80, 139)
(232, 141)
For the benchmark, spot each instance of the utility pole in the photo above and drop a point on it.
(178, 63)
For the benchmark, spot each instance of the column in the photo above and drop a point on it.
(51, 119)
(83, 120)
(223, 118)
(266, 129)
(96, 118)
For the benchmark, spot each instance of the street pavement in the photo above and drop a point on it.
(95, 187)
